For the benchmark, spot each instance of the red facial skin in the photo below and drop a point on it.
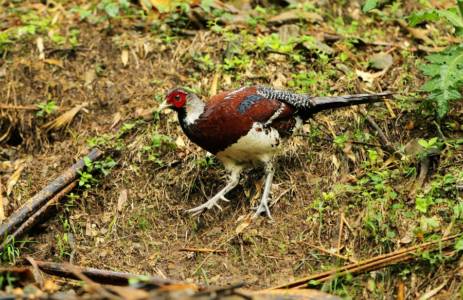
(177, 99)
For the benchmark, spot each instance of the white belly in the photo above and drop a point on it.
(260, 144)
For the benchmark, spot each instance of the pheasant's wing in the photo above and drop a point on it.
(231, 115)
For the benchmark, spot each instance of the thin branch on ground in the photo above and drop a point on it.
(373, 263)
(19, 222)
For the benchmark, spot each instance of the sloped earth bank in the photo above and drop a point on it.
(335, 187)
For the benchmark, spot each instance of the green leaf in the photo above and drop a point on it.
(452, 17)
(82, 12)
(430, 70)
(369, 5)
(459, 245)
(206, 5)
(422, 204)
(163, 6)
(431, 85)
(446, 72)
(423, 143)
(428, 224)
(124, 4)
(423, 16)
(437, 58)
(112, 9)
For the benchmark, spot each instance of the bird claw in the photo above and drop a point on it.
(207, 205)
(263, 207)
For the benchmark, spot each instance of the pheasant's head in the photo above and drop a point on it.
(188, 106)
(176, 99)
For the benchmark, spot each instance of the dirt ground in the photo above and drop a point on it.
(335, 188)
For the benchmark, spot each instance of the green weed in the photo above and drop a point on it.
(10, 252)
(444, 69)
(46, 108)
(7, 279)
(86, 178)
(159, 143)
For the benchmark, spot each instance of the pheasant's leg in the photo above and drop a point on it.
(232, 182)
(263, 205)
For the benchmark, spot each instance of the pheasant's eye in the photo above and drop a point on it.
(177, 99)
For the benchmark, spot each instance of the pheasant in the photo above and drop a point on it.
(245, 127)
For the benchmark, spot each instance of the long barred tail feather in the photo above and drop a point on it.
(330, 102)
(307, 105)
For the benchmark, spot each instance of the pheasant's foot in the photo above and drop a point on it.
(262, 208)
(208, 204)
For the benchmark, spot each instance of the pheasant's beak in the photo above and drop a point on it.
(163, 106)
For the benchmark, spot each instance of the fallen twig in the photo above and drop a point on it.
(224, 291)
(42, 197)
(328, 252)
(386, 144)
(36, 216)
(371, 264)
(98, 275)
(96, 287)
(18, 107)
(204, 250)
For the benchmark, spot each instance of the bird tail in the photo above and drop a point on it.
(323, 103)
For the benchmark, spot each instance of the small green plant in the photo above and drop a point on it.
(369, 5)
(422, 203)
(431, 146)
(100, 140)
(5, 41)
(87, 179)
(340, 140)
(159, 142)
(459, 244)
(142, 223)
(103, 10)
(58, 39)
(7, 279)
(205, 62)
(10, 252)
(74, 37)
(206, 161)
(444, 69)
(62, 245)
(46, 108)
(236, 62)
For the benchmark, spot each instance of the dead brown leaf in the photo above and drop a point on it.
(89, 77)
(125, 57)
(55, 62)
(123, 196)
(369, 77)
(116, 119)
(66, 118)
(40, 47)
(348, 152)
(180, 142)
(381, 61)
(14, 179)
(242, 226)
